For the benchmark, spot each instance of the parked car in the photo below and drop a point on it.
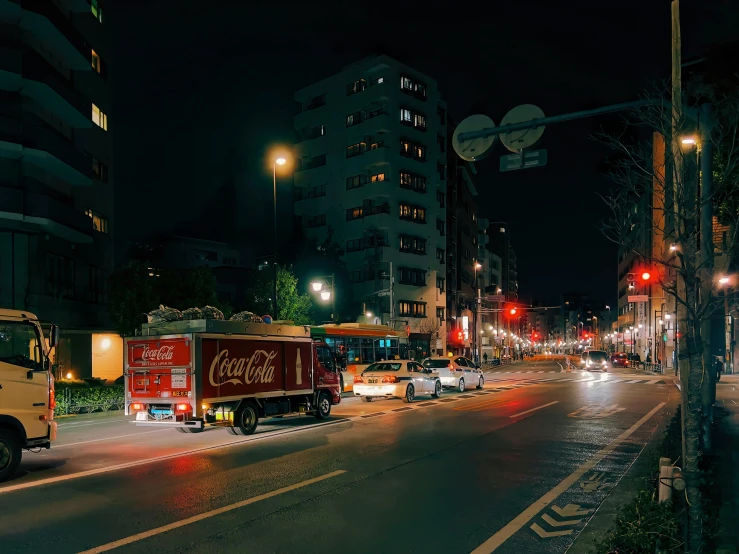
(404, 379)
(595, 359)
(620, 359)
(457, 372)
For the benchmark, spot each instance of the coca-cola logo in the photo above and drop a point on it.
(161, 354)
(258, 368)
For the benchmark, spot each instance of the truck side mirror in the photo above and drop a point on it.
(53, 336)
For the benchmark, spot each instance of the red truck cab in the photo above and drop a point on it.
(186, 374)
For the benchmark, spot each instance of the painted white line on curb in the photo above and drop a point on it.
(205, 515)
(534, 409)
(529, 513)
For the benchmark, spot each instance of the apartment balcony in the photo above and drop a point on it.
(377, 122)
(45, 85)
(43, 147)
(35, 212)
(49, 25)
(77, 6)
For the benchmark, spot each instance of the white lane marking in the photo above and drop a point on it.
(56, 447)
(212, 513)
(534, 409)
(634, 381)
(615, 381)
(109, 469)
(650, 382)
(528, 514)
(87, 423)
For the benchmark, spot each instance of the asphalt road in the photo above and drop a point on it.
(518, 467)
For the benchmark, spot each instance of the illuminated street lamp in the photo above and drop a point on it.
(724, 280)
(277, 161)
(325, 287)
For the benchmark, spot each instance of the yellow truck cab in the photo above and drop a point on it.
(26, 388)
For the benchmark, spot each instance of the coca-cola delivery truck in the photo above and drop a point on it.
(186, 374)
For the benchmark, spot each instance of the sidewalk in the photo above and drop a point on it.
(726, 443)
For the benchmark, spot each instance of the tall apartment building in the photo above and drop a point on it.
(56, 191)
(462, 256)
(370, 165)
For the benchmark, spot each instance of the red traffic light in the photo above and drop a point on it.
(460, 336)
(646, 276)
(512, 311)
(585, 335)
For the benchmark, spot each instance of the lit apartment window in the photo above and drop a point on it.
(357, 86)
(99, 223)
(440, 254)
(99, 118)
(412, 309)
(377, 81)
(412, 245)
(378, 144)
(97, 64)
(416, 214)
(419, 121)
(354, 213)
(440, 311)
(419, 152)
(97, 12)
(406, 116)
(377, 177)
(355, 150)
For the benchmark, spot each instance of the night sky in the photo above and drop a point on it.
(202, 92)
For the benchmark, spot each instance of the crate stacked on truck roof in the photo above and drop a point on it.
(191, 373)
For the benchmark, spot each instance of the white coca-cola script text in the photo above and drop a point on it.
(259, 368)
(161, 354)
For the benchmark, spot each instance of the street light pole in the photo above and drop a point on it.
(278, 161)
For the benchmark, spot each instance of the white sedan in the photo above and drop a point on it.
(396, 379)
(458, 372)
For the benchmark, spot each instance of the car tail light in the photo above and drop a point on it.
(390, 379)
(183, 407)
(358, 379)
(52, 397)
(137, 406)
(451, 365)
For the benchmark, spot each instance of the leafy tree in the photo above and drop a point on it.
(187, 289)
(292, 305)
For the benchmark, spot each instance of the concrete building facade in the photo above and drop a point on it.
(56, 174)
(370, 170)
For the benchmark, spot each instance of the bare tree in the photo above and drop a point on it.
(672, 173)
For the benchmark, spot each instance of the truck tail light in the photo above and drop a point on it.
(183, 407)
(52, 397)
(137, 406)
(358, 379)
(390, 379)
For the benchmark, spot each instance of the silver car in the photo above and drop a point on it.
(456, 372)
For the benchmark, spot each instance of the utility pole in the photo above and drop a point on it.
(708, 388)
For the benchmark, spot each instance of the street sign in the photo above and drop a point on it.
(495, 298)
(523, 160)
(639, 298)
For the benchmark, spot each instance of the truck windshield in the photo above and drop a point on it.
(19, 345)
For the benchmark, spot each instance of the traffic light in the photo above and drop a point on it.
(646, 276)
(512, 311)
(460, 336)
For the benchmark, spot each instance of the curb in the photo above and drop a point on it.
(65, 415)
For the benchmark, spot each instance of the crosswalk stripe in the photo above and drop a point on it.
(634, 381)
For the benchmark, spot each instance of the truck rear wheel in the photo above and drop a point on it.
(245, 420)
(10, 453)
(323, 409)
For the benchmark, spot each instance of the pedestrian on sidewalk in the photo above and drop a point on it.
(719, 368)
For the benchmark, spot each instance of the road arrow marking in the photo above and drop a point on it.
(570, 510)
(594, 484)
(554, 523)
(549, 534)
